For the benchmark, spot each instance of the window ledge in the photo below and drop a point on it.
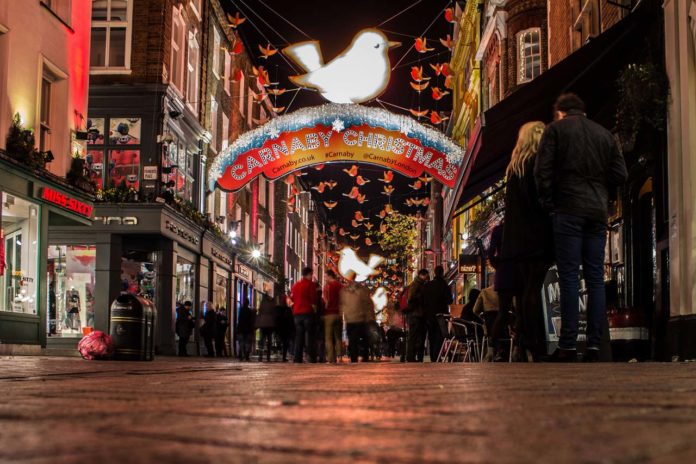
(55, 15)
(107, 71)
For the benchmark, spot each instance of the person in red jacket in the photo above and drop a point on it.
(333, 327)
(305, 299)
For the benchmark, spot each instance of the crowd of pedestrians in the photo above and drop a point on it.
(558, 185)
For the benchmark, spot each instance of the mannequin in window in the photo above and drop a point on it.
(72, 300)
(51, 309)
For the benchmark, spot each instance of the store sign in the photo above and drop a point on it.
(469, 264)
(117, 220)
(66, 202)
(320, 144)
(149, 172)
(181, 232)
(222, 256)
(244, 272)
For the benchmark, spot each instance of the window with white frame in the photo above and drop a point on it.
(176, 69)
(193, 72)
(242, 100)
(216, 53)
(213, 122)
(45, 112)
(111, 35)
(228, 72)
(225, 140)
(529, 54)
(196, 6)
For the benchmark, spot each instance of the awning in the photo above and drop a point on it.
(591, 72)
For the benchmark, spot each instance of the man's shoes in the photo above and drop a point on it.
(564, 356)
(591, 356)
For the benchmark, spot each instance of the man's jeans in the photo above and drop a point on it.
(580, 241)
(305, 333)
(333, 336)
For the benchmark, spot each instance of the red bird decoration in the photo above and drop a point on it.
(382, 214)
(417, 74)
(383, 228)
(449, 15)
(436, 119)
(352, 172)
(360, 180)
(447, 42)
(320, 187)
(416, 185)
(331, 184)
(237, 47)
(354, 237)
(319, 167)
(421, 45)
(426, 201)
(419, 113)
(425, 179)
(354, 223)
(368, 242)
(258, 97)
(359, 216)
(353, 194)
(342, 232)
(276, 92)
(294, 191)
(277, 109)
(448, 82)
(388, 176)
(368, 225)
(419, 87)
(388, 189)
(235, 20)
(438, 94)
(267, 51)
(361, 198)
(237, 76)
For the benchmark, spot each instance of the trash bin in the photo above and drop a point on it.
(132, 328)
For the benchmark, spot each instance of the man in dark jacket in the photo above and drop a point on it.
(578, 165)
(246, 329)
(184, 326)
(437, 298)
(416, 318)
(221, 325)
(209, 330)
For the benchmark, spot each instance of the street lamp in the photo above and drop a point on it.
(256, 254)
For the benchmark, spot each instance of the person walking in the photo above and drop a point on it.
(305, 299)
(415, 346)
(246, 330)
(437, 297)
(355, 303)
(527, 242)
(285, 325)
(221, 325)
(333, 325)
(578, 165)
(266, 321)
(209, 330)
(184, 326)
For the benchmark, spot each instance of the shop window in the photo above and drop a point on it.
(18, 250)
(71, 289)
(95, 150)
(110, 163)
(193, 72)
(45, 113)
(529, 55)
(139, 274)
(220, 287)
(228, 72)
(177, 58)
(124, 168)
(216, 53)
(185, 280)
(111, 35)
(225, 132)
(213, 122)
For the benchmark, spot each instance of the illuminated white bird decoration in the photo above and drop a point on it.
(349, 264)
(380, 298)
(359, 74)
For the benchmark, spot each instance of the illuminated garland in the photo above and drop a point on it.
(330, 115)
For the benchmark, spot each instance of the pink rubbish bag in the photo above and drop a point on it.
(96, 345)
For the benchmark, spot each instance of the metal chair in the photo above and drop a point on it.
(443, 322)
(473, 329)
(464, 343)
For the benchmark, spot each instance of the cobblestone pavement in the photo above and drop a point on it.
(56, 410)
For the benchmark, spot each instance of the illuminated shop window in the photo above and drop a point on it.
(113, 158)
(529, 54)
(111, 35)
(18, 255)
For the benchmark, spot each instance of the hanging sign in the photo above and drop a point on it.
(469, 264)
(337, 133)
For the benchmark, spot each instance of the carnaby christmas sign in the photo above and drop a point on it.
(337, 133)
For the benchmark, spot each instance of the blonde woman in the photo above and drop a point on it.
(526, 247)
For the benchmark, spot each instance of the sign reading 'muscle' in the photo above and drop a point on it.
(66, 202)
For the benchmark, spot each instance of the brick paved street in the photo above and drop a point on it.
(69, 410)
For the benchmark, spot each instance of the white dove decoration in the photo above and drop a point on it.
(380, 298)
(349, 264)
(359, 74)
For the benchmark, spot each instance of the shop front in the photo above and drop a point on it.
(31, 206)
(220, 261)
(144, 249)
